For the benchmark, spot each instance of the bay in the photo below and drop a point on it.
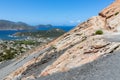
(6, 34)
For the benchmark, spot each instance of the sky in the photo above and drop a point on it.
(55, 12)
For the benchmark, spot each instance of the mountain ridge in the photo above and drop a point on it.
(10, 25)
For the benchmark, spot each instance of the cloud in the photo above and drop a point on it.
(75, 21)
(72, 21)
(78, 21)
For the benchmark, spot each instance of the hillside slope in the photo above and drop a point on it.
(104, 68)
(68, 56)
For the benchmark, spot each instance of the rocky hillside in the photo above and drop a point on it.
(83, 53)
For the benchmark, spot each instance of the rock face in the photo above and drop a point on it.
(104, 68)
(111, 15)
(73, 49)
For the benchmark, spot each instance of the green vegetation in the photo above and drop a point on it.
(11, 49)
(99, 32)
(28, 42)
(38, 34)
(8, 54)
(116, 13)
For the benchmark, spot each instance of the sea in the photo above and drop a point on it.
(7, 34)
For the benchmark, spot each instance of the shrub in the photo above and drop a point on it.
(116, 13)
(99, 32)
(53, 47)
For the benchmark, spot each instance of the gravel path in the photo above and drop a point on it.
(115, 37)
(15, 65)
(6, 63)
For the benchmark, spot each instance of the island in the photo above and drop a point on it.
(10, 25)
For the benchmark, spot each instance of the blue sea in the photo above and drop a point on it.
(6, 34)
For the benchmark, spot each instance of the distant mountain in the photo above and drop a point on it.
(41, 26)
(9, 25)
(44, 27)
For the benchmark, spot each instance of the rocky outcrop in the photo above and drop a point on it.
(111, 10)
(111, 15)
(74, 49)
